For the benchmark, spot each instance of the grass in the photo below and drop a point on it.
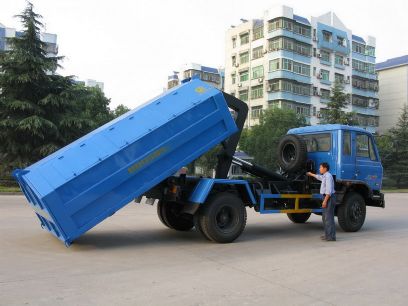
(9, 189)
(395, 190)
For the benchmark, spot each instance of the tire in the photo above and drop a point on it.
(169, 214)
(352, 212)
(198, 227)
(299, 218)
(292, 153)
(222, 218)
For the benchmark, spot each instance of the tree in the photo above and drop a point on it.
(334, 112)
(396, 161)
(120, 110)
(261, 140)
(41, 111)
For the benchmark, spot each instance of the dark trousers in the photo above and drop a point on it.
(328, 218)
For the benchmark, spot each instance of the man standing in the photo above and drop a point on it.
(329, 201)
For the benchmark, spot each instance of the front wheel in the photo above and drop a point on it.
(299, 218)
(352, 212)
(171, 216)
(222, 218)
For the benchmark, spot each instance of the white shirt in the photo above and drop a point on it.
(327, 186)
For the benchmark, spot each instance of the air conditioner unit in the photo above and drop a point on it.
(319, 76)
(347, 81)
(260, 80)
(346, 61)
(239, 85)
(265, 51)
(269, 88)
(319, 115)
(236, 64)
(319, 55)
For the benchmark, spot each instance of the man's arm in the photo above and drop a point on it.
(316, 176)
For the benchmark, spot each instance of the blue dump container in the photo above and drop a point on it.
(80, 185)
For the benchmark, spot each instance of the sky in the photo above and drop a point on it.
(132, 46)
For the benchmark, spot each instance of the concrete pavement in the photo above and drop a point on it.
(132, 259)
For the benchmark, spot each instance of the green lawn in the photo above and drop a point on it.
(9, 189)
(394, 190)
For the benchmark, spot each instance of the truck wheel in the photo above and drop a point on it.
(292, 153)
(222, 218)
(169, 214)
(351, 214)
(299, 218)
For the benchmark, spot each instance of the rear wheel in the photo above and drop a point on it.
(171, 216)
(222, 218)
(351, 214)
(299, 218)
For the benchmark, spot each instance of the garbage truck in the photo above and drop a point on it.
(140, 153)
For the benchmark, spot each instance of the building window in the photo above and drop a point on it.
(358, 48)
(234, 42)
(244, 58)
(257, 72)
(290, 45)
(274, 25)
(233, 78)
(243, 95)
(339, 78)
(243, 76)
(338, 60)
(258, 33)
(287, 64)
(325, 94)
(257, 52)
(300, 109)
(325, 56)
(290, 86)
(302, 30)
(256, 111)
(274, 65)
(341, 41)
(325, 74)
(234, 60)
(257, 92)
(370, 51)
(244, 38)
(327, 36)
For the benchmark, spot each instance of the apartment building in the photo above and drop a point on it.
(393, 78)
(49, 39)
(210, 75)
(289, 61)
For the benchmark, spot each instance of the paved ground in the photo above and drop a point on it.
(131, 259)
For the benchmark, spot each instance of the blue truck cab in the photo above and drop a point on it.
(352, 155)
(140, 154)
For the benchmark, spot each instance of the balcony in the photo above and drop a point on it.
(284, 74)
(290, 34)
(364, 110)
(364, 93)
(284, 95)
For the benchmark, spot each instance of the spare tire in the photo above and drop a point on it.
(292, 153)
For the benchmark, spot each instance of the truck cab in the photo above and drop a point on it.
(352, 155)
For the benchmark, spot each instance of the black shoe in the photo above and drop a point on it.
(331, 239)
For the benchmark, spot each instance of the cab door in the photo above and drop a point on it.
(368, 165)
(347, 157)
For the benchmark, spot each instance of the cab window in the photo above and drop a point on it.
(346, 143)
(362, 145)
(373, 156)
(318, 142)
